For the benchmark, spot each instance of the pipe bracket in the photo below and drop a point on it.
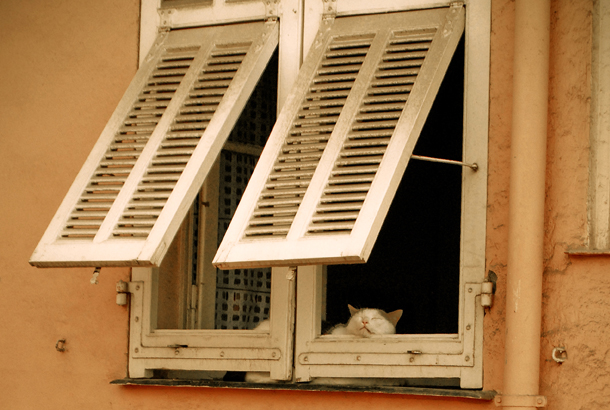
(520, 401)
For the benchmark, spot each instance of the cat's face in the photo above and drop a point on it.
(368, 322)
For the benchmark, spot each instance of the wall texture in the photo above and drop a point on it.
(64, 67)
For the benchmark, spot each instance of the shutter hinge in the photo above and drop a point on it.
(271, 10)
(487, 294)
(520, 401)
(122, 289)
(165, 22)
(330, 10)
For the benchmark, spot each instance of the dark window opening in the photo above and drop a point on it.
(415, 263)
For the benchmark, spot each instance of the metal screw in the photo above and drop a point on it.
(273, 354)
(138, 287)
(467, 358)
(222, 354)
(411, 359)
(60, 345)
(305, 359)
(469, 290)
(137, 318)
(467, 327)
(358, 358)
(136, 350)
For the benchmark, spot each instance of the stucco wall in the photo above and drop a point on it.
(64, 67)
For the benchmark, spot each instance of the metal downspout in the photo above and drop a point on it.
(526, 206)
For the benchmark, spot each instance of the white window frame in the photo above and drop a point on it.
(599, 161)
(227, 350)
(428, 356)
(416, 356)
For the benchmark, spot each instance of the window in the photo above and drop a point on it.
(599, 212)
(159, 188)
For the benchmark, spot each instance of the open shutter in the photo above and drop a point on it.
(143, 174)
(335, 158)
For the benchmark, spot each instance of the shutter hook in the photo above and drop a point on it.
(96, 273)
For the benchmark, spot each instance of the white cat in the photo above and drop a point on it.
(362, 323)
(367, 322)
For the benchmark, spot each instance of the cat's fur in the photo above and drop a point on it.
(367, 322)
(362, 323)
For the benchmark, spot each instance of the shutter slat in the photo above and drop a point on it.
(354, 143)
(346, 188)
(331, 217)
(280, 193)
(277, 212)
(75, 233)
(350, 179)
(92, 215)
(344, 226)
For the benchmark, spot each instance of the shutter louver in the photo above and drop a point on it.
(308, 137)
(370, 133)
(328, 174)
(143, 174)
(128, 143)
(180, 142)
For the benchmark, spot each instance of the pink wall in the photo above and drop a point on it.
(64, 67)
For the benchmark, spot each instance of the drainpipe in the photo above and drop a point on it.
(526, 206)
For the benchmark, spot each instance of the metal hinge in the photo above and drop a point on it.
(330, 9)
(122, 289)
(271, 10)
(520, 401)
(487, 294)
(165, 22)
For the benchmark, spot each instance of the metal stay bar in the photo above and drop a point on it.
(473, 166)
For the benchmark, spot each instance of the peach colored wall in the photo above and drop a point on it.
(64, 66)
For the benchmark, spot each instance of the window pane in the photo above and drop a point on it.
(192, 293)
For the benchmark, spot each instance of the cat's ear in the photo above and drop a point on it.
(394, 316)
(352, 310)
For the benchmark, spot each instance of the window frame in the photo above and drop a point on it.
(467, 343)
(598, 241)
(227, 350)
(427, 356)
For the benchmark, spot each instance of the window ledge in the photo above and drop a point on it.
(415, 391)
(588, 252)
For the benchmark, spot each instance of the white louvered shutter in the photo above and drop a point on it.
(328, 174)
(143, 174)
